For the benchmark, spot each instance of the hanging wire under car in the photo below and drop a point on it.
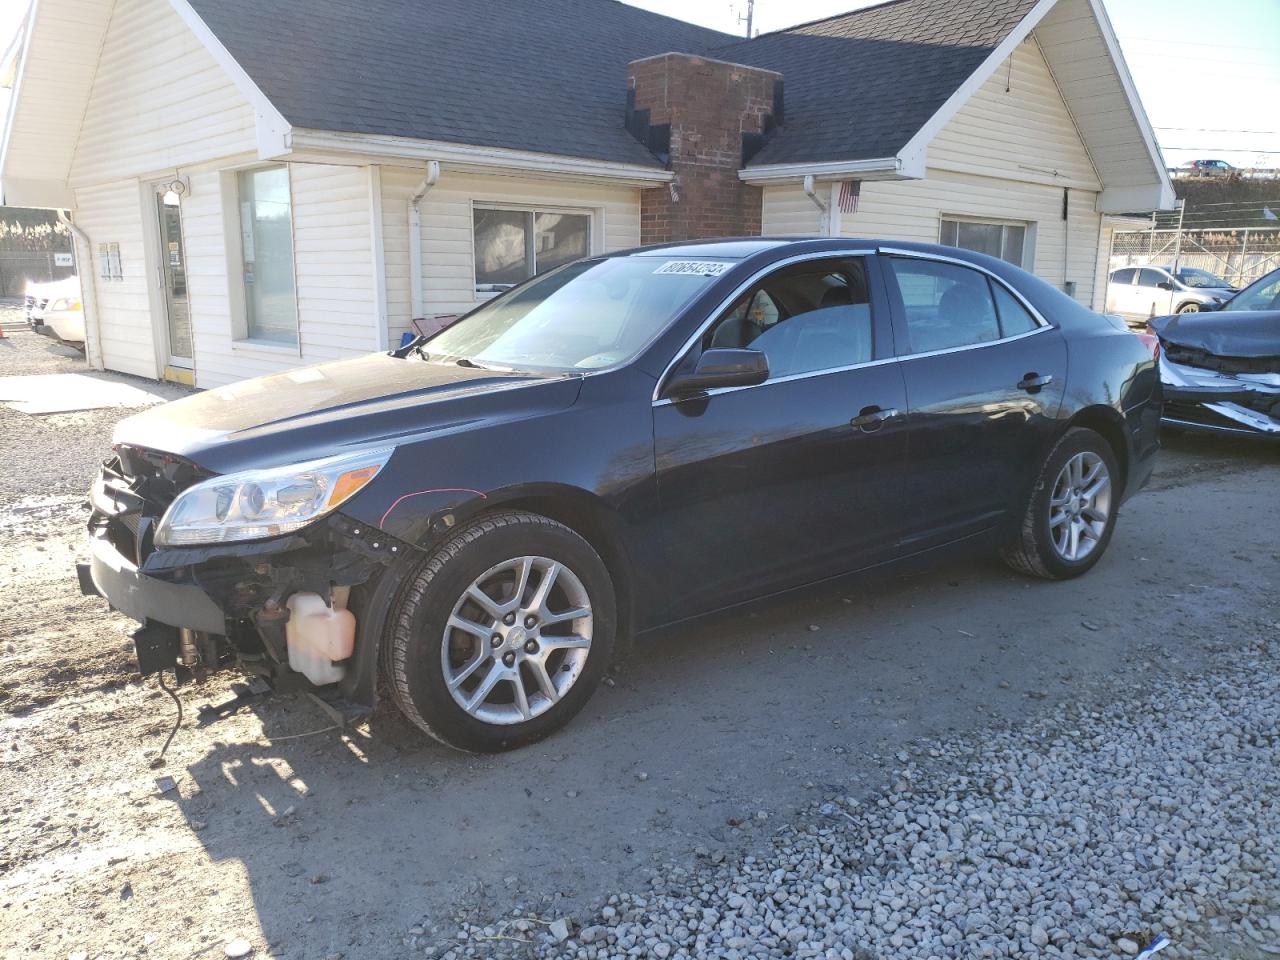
(159, 760)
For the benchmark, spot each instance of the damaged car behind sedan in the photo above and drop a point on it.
(620, 444)
(1221, 370)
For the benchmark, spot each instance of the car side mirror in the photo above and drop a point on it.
(1165, 284)
(721, 367)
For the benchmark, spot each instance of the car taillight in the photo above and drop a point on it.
(1152, 340)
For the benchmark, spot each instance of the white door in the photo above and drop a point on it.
(172, 276)
(1150, 299)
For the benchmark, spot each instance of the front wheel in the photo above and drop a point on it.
(1189, 308)
(503, 635)
(1072, 511)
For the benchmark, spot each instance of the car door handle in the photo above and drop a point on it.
(870, 419)
(1032, 382)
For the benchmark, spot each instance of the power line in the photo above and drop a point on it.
(1263, 133)
(1224, 148)
(1196, 43)
(1244, 204)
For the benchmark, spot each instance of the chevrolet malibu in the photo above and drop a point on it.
(621, 444)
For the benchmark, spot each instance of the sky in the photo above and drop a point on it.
(1208, 71)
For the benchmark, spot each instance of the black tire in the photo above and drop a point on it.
(1033, 552)
(1189, 307)
(413, 663)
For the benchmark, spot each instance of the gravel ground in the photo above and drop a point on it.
(956, 762)
(1086, 834)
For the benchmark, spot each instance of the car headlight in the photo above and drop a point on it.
(255, 504)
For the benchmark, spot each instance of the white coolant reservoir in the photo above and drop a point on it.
(318, 634)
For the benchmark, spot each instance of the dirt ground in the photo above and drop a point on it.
(312, 842)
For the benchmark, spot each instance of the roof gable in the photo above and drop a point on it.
(861, 85)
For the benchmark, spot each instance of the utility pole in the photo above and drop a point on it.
(1177, 237)
(751, 9)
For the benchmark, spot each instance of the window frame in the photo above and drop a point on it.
(593, 214)
(882, 331)
(886, 335)
(839, 265)
(241, 336)
(899, 310)
(1028, 233)
(1164, 274)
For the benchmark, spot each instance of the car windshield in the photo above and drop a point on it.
(1262, 294)
(1200, 278)
(584, 316)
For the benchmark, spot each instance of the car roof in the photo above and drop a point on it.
(744, 248)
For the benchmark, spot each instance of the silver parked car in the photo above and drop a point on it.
(1139, 293)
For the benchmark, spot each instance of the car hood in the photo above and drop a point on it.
(1243, 333)
(369, 401)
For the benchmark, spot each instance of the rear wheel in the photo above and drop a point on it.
(504, 634)
(1072, 511)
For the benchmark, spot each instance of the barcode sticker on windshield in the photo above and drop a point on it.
(701, 268)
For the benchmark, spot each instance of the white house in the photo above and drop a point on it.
(258, 184)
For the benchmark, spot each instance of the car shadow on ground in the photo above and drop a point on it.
(708, 735)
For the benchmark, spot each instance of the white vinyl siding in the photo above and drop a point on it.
(57, 76)
(158, 101)
(995, 160)
(112, 213)
(1025, 133)
(333, 264)
(447, 254)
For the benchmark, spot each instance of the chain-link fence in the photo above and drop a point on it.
(18, 268)
(34, 248)
(1238, 256)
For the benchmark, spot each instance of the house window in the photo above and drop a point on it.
(513, 245)
(266, 248)
(1004, 240)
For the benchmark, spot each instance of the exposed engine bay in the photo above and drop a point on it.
(283, 609)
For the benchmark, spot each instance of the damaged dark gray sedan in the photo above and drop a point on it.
(617, 445)
(1221, 370)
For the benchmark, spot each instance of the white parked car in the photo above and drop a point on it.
(66, 318)
(38, 296)
(1138, 293)
(56, 305)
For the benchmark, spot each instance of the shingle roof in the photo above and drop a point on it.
(549, 75)
(860, 85)
(542, 75)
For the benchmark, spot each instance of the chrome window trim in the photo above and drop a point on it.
(1043, 324)
(716, 391)
(739, 291)
(918, 255)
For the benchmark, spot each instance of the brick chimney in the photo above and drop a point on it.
(704, 118)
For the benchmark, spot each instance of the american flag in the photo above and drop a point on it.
(850, 190)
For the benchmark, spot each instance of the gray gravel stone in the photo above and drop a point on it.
(1055, 839)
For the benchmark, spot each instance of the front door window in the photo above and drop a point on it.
(173, 275)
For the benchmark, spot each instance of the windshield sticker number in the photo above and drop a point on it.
(699, 268)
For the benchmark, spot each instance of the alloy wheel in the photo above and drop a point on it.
(517, 639)
(1080, 506)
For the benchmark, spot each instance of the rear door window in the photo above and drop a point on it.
(944, 305)
(1123, 276)
(1014, 317)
